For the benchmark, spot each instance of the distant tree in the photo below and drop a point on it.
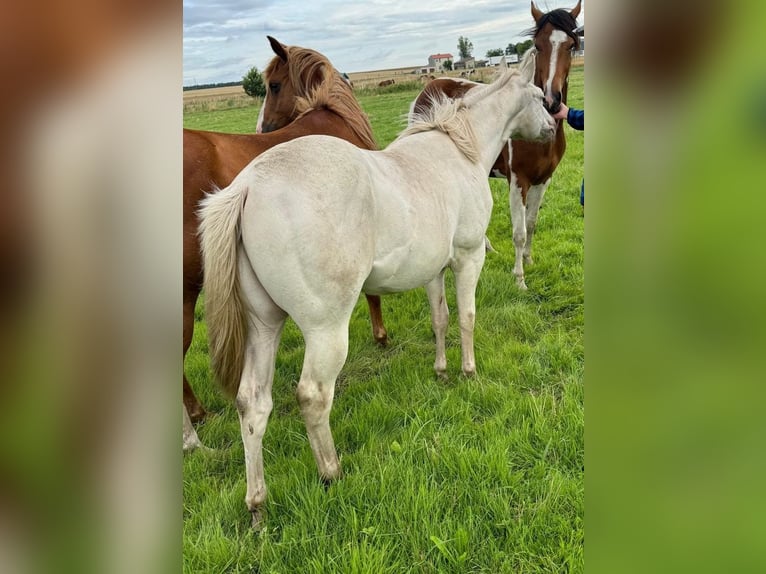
(510, 49)
(447, 65)
(495, 52)
(464, 47)
(522, 47)
(253, 84)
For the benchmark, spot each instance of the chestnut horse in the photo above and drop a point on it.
(528, 166)
(306, 95)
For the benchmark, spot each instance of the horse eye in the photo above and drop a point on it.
(274, 87)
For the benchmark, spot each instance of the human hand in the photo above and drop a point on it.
(562, 113)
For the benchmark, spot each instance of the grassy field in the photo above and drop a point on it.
(468, 475)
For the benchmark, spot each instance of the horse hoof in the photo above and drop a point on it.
(196, 412)
(521, 284)
(382, 340)
(470, 373)
(257, 521)
(442, 375)
(328, 480)
(192, 446)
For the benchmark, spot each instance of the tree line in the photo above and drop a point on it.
(465, 48)
(206, 86)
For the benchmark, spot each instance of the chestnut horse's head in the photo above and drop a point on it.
(555, 41)
(290, 79)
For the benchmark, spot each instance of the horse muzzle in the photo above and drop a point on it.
(552, 102)
(266, 128)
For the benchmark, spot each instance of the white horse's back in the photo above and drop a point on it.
(394, 214)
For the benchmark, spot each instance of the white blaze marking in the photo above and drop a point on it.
(259, 122)
(556, 38)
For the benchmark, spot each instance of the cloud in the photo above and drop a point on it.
(223, 39)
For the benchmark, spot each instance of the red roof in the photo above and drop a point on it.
(439, 56)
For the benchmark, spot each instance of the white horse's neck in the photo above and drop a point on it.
(491, 118)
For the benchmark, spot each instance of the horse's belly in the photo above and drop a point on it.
(404, 269)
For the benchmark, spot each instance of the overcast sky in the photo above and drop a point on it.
(224, 38)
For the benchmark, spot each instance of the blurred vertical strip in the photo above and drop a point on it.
(90, 245)
(675, 274)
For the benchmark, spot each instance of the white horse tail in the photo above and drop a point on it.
(220, 234)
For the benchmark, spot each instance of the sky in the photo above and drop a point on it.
(223, 39)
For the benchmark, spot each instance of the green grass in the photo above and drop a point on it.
(467, 475)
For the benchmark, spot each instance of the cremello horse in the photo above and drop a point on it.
(310, 224)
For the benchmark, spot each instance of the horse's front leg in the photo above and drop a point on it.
(467, 268)
(518, 223)
(534, 200)
(439, 321)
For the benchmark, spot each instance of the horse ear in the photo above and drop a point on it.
(527, 65)
(278, 48)
(536, 13)
(575, 12)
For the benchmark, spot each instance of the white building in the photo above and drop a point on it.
(436, 61)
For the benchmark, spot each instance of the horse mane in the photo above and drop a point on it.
(561, 19)
(448, 116)
(318, 85)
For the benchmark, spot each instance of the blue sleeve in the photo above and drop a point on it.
(576, 119)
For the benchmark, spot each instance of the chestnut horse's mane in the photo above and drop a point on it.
(319, 85)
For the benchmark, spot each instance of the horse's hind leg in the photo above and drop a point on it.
(376, 317)
(193, 407)
(326, 350)
(254, 401)
(191, 440)
(467, 269)
(534, 200)
(439, 321)
(518, 222)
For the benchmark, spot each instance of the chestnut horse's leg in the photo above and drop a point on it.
(376, 317)
(467, 269)
(534, 199)
(192, 405)
(439, 321)
(518, 222)
(191, 440)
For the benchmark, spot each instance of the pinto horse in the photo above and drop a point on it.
(310, 224)
(306, 95)
(528, 166)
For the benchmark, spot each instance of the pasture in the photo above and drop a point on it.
(464, 475)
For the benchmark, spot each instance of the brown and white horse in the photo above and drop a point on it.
(306, 95)
(528, 166)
